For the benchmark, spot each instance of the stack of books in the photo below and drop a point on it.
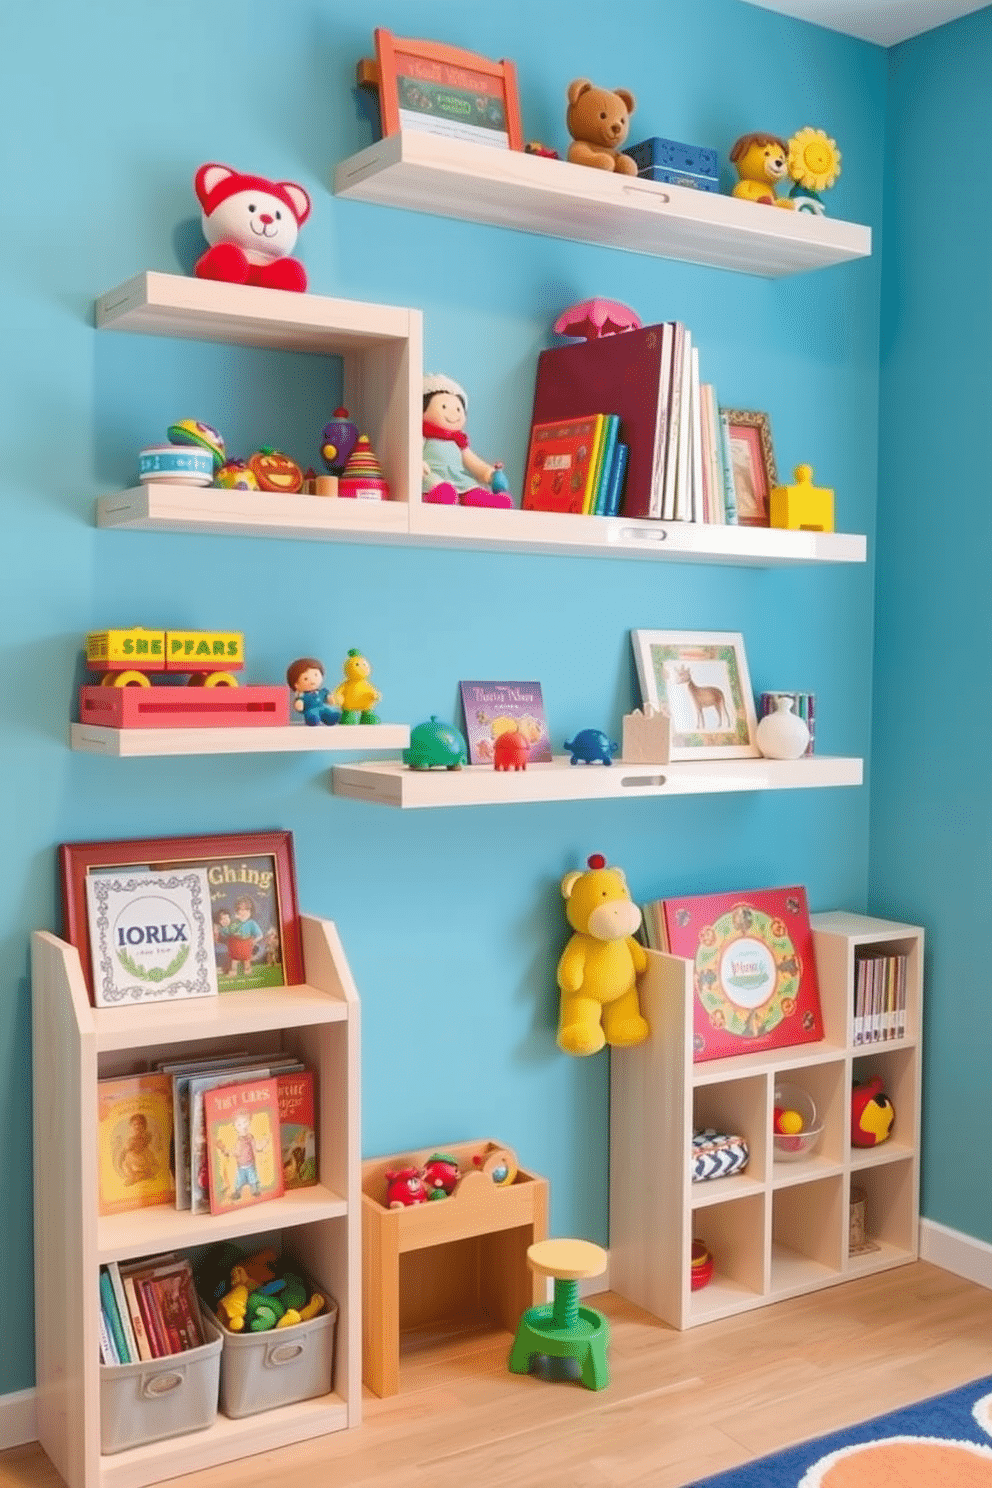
(880, 999)
(623, 424)
(148, 1309)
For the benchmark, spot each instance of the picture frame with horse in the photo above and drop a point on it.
(700, 679)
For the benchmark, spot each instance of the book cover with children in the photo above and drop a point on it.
(134, 1137)
(298, 1127)
(244, 1163)
(494, 708)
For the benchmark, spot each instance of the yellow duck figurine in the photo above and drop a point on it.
(233, 1305)
(762, 160)
(355, 696)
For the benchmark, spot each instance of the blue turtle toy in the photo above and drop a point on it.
(591, 746)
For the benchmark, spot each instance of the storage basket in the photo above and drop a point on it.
(259, 1371)
(156, 1398)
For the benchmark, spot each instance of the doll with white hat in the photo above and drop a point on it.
(453, 473)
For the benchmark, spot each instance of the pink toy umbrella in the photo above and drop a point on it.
(592, 318)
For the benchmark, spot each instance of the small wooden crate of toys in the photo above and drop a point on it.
(278, 1328)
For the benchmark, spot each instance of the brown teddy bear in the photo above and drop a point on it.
(598, 120)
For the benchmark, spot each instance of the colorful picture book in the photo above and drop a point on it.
(259, 1067)
(560, 465)
(494, 708)
(754, 969)
(134, 1138)
(297, 1091)
(244, 1157)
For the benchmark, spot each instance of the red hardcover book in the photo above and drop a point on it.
(558, 464)
(627, 374)
(298, 1127)
(754, 969)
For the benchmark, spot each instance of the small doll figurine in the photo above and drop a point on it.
(453, 472)
(305, 677)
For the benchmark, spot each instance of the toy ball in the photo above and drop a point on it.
(236, 475)
(788, 1123)
(872, 1114)
(204, 436)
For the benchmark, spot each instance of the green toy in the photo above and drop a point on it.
(565, 1330)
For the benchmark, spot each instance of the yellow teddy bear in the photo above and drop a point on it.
(598, 970)
(762, 160)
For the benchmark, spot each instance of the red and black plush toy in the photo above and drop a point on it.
(872, 1114)
(251, 225)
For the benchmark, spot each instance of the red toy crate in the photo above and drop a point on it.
(184, 707)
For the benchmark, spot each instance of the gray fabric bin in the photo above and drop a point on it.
(259, 1371)
(156, 1398)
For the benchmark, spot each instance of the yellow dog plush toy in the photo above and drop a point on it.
(598, 970)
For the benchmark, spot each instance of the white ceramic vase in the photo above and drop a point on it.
(781, 734)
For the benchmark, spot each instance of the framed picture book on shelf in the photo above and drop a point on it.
(441, 89)
(151, 934)
(494, 708)
(754, 968)
(253, 910)
(700, 679)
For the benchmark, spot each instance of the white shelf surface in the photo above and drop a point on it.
(442, 177)
(192, 1019)
(155, 304)
(292, 739)
(161, 507)
(390, 783)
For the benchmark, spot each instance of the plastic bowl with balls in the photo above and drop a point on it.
(796, 1125)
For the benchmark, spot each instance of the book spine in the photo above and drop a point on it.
(614, 499)
(107, 1354)
(672, 439)
(696, 437)
(730, 495)
(137, 1321)
(683, 493)
(113, 1318)
(123, 1311)
(153, 1323)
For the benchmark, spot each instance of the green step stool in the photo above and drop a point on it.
(564, 1330)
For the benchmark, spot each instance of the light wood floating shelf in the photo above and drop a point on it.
(506, 188)
(390, 783)
(294, 739)
(160, 507)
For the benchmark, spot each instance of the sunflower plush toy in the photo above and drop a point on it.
(814, 165)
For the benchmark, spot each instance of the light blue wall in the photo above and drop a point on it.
(452, 921)
(931, 859)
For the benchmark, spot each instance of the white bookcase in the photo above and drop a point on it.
(776, 1229)
(75, 1044)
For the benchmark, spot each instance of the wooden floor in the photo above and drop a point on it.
(679, 1406)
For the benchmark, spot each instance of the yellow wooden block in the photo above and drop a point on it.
(804, 506)
(204, 650)
(126, 647)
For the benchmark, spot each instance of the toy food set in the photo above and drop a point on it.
(598, 969)
(717, 1154)
(206, 659)
(677, 164)
(277, 1327)
(197, 456)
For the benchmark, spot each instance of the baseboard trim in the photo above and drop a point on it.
(961, 1254)
(18, 1419)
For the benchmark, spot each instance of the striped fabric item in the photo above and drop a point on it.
(716, 1155)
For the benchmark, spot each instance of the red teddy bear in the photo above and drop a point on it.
(251, 225)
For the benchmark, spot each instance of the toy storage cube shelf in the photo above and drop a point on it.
(507, 188)
(381, 348)
(776, 1229)
(74, 1045)
(454, 1260)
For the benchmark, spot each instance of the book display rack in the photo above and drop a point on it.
(775, 1229)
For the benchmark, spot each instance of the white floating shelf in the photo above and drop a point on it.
(391, 783)
(160, 507)
(442, 177)
(294, 739)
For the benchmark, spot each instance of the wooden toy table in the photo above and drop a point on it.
(456, 1259)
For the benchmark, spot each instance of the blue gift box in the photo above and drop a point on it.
(676, 163)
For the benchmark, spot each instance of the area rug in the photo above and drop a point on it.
(945, 1442)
